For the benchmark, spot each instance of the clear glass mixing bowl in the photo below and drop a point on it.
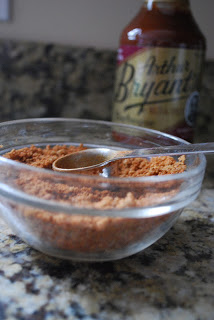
(33, 203)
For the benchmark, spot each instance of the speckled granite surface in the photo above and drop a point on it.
(171, 280)
(46, 80)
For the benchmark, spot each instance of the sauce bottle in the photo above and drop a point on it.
(159, 69)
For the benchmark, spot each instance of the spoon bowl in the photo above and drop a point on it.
(97, 157)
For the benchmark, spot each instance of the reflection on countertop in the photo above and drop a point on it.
(173, 279)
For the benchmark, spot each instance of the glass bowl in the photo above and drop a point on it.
(37, 205)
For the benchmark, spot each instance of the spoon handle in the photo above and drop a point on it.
(173, 150)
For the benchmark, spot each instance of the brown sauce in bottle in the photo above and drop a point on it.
(159, 69)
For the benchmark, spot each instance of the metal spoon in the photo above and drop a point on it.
(93, 158)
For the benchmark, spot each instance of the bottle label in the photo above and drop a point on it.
(158, 88)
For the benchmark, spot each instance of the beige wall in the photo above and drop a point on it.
(87, 22)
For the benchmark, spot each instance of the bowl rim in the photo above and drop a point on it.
(193, 171)
(50, 205)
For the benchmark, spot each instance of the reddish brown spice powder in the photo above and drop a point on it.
(93, 234)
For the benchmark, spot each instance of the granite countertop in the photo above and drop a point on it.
(172, 279)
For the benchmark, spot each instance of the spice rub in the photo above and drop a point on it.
(81, 232)
(137, 167)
